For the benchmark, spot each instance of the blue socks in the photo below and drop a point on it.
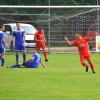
(17, 59)
(2, 61)
(24, 58)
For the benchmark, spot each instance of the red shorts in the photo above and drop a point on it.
(40, 46)
(83, 58)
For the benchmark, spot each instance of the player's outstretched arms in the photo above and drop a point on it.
(66, 39)
(43, 65)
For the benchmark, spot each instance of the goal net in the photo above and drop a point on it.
(71, 21)
(57, 22)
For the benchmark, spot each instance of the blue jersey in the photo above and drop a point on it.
(36, 61)
(1, 37)
(19, 36)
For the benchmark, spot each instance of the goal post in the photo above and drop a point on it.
(58, 22)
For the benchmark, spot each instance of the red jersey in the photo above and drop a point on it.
(82, 45)
(40, 37)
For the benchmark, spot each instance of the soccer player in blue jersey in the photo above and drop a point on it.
(2, 45)
(34, 62)
(19, 38)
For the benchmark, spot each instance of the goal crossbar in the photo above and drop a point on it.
(58, 6)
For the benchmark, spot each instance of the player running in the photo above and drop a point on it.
(2, 45)
(40, 42)
(82, 44)
(19, 38)
(34, 62)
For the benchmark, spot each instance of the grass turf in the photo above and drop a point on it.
(64, 79)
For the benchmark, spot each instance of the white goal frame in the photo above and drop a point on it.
(49, 7)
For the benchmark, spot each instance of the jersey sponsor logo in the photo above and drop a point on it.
(81, 44)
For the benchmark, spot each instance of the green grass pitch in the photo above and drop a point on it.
(64, 79)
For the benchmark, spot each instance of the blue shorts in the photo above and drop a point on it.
(19, 47)
(2, 50)
(29, 64)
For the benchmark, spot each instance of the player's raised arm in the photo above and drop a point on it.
(66, 39)
(91, 37)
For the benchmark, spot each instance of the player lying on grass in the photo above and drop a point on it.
(32, 63)
(82, 44)
(40, 42)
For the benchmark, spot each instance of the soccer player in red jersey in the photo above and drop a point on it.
(82, 44)
(40, 42)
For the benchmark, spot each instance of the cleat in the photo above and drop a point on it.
(23, 64)
(86, 69)
(8, 67)
(2, 64)
(46, 60)
(93, 72)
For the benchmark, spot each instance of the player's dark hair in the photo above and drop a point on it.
(39, 28)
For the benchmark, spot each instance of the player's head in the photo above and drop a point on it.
(18, 25)
(40, 29)
(2, 27)
(34, 50)
(78, 35)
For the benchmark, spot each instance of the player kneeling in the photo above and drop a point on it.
(32, 63)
